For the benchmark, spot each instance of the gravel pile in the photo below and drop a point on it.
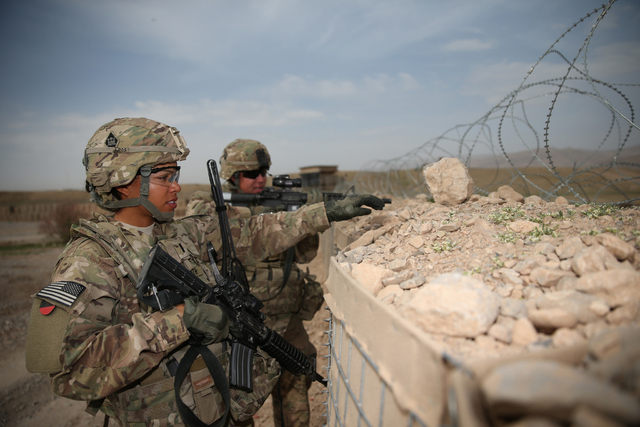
(509, 278)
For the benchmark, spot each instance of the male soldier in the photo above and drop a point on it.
(289, 295)
(88, 329)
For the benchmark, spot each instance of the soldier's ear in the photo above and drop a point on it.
(126, 191)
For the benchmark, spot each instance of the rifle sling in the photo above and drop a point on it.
(286, 272)
(217, 373)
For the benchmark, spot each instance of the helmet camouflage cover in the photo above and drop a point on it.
(243, 155)
(120, 148)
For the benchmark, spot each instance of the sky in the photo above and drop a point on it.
(332, 82)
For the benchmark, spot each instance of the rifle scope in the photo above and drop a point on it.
(284, 181)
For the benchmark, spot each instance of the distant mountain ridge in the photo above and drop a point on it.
(561, 157)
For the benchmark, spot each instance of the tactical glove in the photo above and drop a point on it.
(207, 322)
(350, 206)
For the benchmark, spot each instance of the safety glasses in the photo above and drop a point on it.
(165, 176)
(254, 174)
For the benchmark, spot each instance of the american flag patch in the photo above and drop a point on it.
(64, 293)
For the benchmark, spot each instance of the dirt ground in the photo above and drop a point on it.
(26, 399)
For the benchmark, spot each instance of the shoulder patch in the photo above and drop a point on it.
(64, 293)
(46, 308)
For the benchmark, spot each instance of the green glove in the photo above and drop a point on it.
(209, 322)
(350, 206)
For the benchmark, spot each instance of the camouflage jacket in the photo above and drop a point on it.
(99, 342)
(266, 277)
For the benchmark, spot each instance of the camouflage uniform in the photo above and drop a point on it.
(99, 344)
(286, 305)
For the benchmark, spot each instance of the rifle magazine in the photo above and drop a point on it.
(241, 367)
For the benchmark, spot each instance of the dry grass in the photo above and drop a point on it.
(588, 184)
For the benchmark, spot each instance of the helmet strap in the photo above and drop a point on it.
(141, 200)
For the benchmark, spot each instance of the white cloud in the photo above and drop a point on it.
(467, 45)
(292, 88)
(296, 87)
(614, 61)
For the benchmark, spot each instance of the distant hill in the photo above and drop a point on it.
(565, 157)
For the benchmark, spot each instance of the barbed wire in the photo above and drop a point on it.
(486, 146)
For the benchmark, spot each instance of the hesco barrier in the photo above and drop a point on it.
(383, 371)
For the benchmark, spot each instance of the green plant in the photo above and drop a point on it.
(444, 246)
(508, 236)
(506, 214)
(474, 270)
(596, 211)
(593, 232)
(542, 230)
(614, 231)
(498, 262)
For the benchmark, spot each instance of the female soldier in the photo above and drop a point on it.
(89, 331)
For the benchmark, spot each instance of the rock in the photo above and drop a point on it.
(534, 422)
(510, 277)
(550, 319)
(398, 264)
(619, 248)
(619, 357)
(543, 248)
(549, 388)
(453, 304)
(416, 242)
(448, 181)
(500, 333)
(414, 282)
(585, 416)
(624, 314)
(592, 259)
(450, 227)
(405, 214)
(560, 200)
(370, 276)
(579, 304)
(355, 256)
(396, 279)
(570, 248)
(616, 287)
(565, 337)
(509, 194)
(534, 200)
(524, 333)
(513, 308)
(526, 266)
(548, 277)
(522, 226)
(389, 294)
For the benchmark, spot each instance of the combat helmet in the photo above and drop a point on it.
(123, 148)
(243, 155)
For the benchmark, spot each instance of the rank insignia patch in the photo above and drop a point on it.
(112, 141)
(64, 293)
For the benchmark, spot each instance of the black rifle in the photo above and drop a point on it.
(164, 282)
(282, 196)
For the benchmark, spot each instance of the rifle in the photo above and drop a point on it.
(164, 282)
(282, 196)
